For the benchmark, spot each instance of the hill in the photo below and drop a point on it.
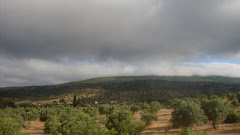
(128, 88)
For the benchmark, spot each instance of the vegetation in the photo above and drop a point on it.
(148, 117)
(215, 110)
(238, 97)
(9, 126)
(74, 101)
(232, 117)
(121, 119)
(235, 103)
(187, 113)
(135, 108)
(186, 131)
(115, 118)
(128, 88)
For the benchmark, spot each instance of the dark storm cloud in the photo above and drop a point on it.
(106, 32)
(121, 30)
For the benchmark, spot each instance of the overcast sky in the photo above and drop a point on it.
(54, 41)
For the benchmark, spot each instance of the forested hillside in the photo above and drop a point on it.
(129, 88)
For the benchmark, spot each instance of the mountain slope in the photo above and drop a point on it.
(226, 80)
(129, 88)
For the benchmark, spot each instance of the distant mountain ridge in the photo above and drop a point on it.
(227, 80)
(129, 88)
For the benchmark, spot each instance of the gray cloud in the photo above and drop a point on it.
(106, 34)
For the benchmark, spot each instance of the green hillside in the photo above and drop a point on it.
(129, 88)
(112, 79)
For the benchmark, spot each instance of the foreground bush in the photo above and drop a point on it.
(154, 107)
(135, 108)
(123, 122)
(80, 124)
(238, 96)
(148, 117)
(52, 125)
(186, 131)
(92, 111)
(9, 126)
(70, 121)
(28, 113)
(232, 117)
(215, 110)
(104, 109)
(186, 114)
(9, 103)
(46, 113)
(235, 103)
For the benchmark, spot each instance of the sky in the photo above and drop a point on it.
(54, 41)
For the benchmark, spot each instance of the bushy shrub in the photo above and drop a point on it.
(186, 131)
(238, 97)
(52, 125)
(79, 123)
(148, 117)
(92, 111)
(186, 114)
(9, 126)
(123, 122)
(135, 108)
(70, 121)
(145, 106)
(235, 103)
(30, 113)
(8, 103)
(231, 97)
(45, 113)
(27, 105)
(215, 110)
(154, 107)
(104, 109)
(12, 113)
(232, 117)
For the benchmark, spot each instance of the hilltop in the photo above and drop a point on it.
(129, 88)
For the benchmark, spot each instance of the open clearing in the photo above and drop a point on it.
(36, 128)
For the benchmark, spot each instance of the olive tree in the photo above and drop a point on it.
(215, 110)
(9, 126)
(186, 114)
(121, 120)
(238, 97)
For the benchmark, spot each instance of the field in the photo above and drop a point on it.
(159, 127)
(202, 116)
(36, 128)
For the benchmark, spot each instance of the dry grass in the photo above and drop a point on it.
(36, 128)
(161, 126)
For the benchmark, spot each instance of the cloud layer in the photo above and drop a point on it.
(45, 42)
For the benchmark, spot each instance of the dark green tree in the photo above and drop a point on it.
(186, 114)
(238, 97)
(215, 110)
(74, 101)
(232, 117)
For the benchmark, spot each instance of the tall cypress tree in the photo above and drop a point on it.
(74, 101)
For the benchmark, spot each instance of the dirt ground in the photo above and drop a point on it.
(160, 127)
(36, 128)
